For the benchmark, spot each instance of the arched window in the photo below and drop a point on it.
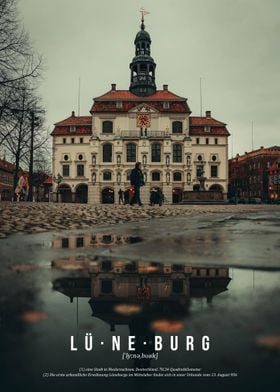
(107, 126)
(177, 176)
(177, 127)
(156, 176)
(156, 152)
(177, 152)
(107, 176)
(131, 152)
(107, 152)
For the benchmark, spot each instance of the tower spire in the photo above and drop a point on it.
(143, 13)
(142, 80)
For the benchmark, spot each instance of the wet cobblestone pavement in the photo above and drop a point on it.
(40, 217)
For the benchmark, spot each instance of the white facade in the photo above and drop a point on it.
(73, 150)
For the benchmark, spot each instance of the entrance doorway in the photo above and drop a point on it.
(177, 194)
(108, 196)
(82, 193)
(64, 193)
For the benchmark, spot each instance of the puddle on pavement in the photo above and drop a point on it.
(118, 297)
(113, 296)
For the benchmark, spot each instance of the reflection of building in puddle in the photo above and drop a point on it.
(90, 240)
(145, 297)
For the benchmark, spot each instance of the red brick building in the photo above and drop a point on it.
(248, 173)
(274, 181)
(6, 179)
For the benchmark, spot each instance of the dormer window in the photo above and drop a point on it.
(107, 127)
(72, 129)
(177, 127)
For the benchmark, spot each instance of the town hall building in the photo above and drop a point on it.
(94, 155)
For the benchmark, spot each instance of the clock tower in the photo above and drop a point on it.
(142, 67)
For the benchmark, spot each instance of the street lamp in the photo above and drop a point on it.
(57, 180)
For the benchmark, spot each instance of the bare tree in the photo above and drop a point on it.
(19, 135)
(18, 63)
(17, 59)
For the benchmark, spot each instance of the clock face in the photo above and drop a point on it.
(143, 120)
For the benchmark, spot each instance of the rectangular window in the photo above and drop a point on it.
(81, 140)
(131, 152)
(166, 105)
(107, 152)
(156, 152)
(207, 140)
(64, 140)
(80, 170)
(119, 104)
(214, 171)
(197, 140)
(65, 243)
(72, 140)
(177, 153)
(65, 170)
(79, 242)
(216, 140)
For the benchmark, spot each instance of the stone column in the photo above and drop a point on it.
(167, 191)
(94, 196)
(145, 193)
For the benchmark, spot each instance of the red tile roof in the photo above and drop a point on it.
(198, 121)
(107, 102)
(82, 124)
(126, 95)
(7, 166)
(198, 124)
(65, 130)
(175, 107)
(75, 120)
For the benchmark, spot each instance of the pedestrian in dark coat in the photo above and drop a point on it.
(121, 196)
(137, 180)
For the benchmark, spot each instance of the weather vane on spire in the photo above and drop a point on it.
(143, 12)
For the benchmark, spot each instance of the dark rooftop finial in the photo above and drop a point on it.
(143, 12)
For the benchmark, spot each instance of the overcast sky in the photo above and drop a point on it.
(232, 45)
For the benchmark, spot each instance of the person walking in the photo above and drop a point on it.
(25, 188)
(20, 185)
(121, 195)
(136, 180)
